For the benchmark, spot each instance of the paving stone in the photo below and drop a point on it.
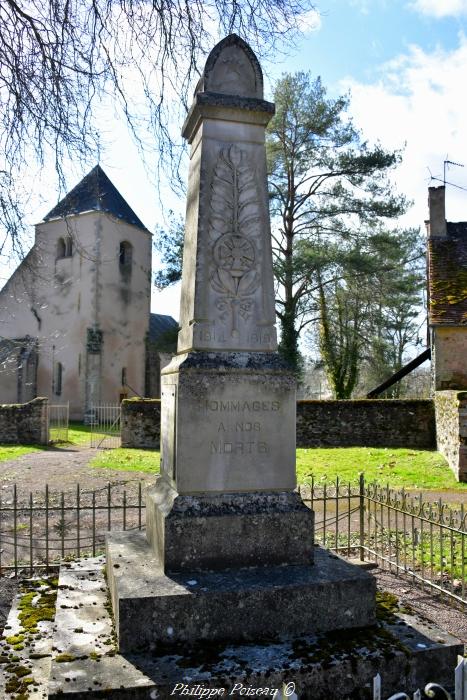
(406, 651)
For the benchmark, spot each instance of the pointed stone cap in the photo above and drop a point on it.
(230, 88)
(232, 69)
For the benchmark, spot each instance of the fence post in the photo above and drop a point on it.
(460, 679)
(361, 510)
(376, 683)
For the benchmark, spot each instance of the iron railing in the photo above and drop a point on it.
(402, 531)
(426, 541)
(38, 531)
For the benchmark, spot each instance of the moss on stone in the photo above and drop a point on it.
(64, 658)
(388, 607)
(37, 605)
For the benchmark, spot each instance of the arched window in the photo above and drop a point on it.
(65, 247)
(61, 248)
(58, 374)
(124, 256)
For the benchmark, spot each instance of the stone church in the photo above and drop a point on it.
(75, 321)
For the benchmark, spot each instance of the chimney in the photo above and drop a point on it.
(436, 225)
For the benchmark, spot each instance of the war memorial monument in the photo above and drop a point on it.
(225, 589)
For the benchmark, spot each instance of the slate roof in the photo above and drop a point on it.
(447, 276)
(95, 192)
(159, 324)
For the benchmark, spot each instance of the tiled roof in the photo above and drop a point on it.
(95, 192)
(159, 325)
(447, 276)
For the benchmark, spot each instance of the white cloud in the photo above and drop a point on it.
(419, 101)
(440, 8)
(309, 21)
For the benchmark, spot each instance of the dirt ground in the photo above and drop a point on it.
(62, 468)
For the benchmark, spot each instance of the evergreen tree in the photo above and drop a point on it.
(325, 183)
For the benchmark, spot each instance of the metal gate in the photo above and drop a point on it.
(104, 420)
(57, 422)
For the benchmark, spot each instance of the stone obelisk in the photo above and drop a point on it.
(228, 402)
(226, 533)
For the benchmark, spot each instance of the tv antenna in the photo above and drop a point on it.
(447, 163)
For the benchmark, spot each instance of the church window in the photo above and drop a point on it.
(58, 373)
(124, 256)
(65, 247)
(61, 248)
(123, 376)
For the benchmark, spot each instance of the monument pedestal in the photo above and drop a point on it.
(228, 423)
(155, 609)
(227, 531)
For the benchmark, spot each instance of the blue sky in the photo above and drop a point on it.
(357, 36)
(405, 65)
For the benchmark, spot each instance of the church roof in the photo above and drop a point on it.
(159, 325)
(95, 192)
(447, 276)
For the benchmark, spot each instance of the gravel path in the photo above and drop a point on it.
(62, 468)
(429, 606)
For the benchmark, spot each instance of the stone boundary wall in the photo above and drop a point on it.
(367, 422)
(141, 423)
(451, 428)
(24, 423)
(372, 422)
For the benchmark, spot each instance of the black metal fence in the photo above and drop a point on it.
(402, 531)
(39, 530)
(411, 536)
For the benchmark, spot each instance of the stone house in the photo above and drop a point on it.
(447, 294)
(75, 315)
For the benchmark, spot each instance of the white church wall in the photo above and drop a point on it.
(57, 298)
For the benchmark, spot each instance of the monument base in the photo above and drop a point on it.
(227, 531)
(154, 609)
(406, 651)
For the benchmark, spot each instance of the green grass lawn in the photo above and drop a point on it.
(127, 459)
(79, 434)
(14, 451)
(422, 469)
